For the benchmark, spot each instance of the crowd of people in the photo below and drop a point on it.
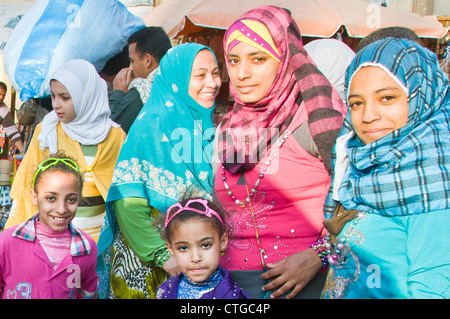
(328, 178)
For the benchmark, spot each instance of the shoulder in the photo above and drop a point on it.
(7, 238)
(169, 288)
(132, 96)
(4, 110)
(6, 234)
(116, 134)
(228, 288)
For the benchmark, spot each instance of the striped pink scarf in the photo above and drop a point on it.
(248, 130)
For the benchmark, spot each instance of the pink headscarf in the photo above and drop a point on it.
(248, 130)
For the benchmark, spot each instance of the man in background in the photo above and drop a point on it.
(131, 86)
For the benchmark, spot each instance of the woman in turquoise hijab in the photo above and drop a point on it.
(390, 194)
(168, 152)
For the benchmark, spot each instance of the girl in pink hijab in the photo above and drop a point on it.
(273, 151)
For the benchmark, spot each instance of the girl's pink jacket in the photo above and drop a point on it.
(27, 273)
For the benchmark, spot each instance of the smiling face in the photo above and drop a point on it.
(62, 102)
(205, 80)
(196, 246)
(56, 196)
(378, 104)
(251, 71)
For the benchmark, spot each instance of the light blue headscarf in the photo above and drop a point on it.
(168, 149)
(407, 171)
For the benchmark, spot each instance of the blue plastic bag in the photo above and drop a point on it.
(56, 31)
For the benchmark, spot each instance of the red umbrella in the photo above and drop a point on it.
(318, 18)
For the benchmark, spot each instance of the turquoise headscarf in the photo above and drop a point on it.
(407, 171)
(169, 146)
(168, 149)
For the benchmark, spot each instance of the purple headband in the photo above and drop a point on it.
(208, 212)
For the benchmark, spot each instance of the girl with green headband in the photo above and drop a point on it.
(57, 260)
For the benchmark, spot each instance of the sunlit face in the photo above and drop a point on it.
(141, 66)
(62, 102)
(56, 196)
(196, 246)
(205, 82)
(378, 104)
(252, 72)
(2, 95)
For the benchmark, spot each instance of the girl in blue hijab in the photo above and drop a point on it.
(388, 208)
(167, 153)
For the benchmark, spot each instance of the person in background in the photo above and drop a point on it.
(273, 150)
(7, 122)
(394, 32)
(168, 151)
(195, 234)
(30, 114)
(47, 257)
(10, 131)
(389, 200)
(131, 86)
(332, 58)
(445, 63)
(114, 66)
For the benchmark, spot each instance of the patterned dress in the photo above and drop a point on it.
(167, 154)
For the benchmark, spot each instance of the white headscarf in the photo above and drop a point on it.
(89, 94)
(332, 57)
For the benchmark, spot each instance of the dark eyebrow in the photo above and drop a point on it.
(180, 243)
(389, 88)
(251, 54)
(200, 241)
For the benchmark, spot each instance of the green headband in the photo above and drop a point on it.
(53, 161)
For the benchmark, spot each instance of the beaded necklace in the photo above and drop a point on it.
(254, 190)
(248, 200)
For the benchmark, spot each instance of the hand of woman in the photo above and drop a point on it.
(293, 272)
(171, 267)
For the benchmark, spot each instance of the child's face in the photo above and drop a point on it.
(62, 102)
(196, 247)
(56, 198)
(378, 105)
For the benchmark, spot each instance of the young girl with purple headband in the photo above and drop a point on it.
(195, 235)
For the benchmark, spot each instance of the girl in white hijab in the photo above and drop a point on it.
(89, 95)
(79, 126)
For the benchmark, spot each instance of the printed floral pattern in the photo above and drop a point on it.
(158, 179)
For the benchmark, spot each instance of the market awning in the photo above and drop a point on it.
(318, 18)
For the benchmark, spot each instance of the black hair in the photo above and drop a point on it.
(151, 40)
(393, 32)
(3, 86)
(117, 63)
(167, 233)
(60, 167)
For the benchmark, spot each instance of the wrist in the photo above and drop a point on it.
(322, 248)
(161, 257)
